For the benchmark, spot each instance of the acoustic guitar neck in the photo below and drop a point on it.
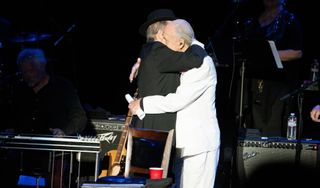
(124, 134)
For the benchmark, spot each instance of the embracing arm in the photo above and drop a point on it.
(169, 61)
(172, 61)
(196, 83)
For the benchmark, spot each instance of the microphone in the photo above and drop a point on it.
(140, 113)
(71, 28)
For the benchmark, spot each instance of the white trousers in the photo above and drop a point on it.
(200, 170)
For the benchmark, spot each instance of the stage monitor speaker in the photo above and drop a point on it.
(255, 154)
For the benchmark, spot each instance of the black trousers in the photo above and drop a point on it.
(263, 109)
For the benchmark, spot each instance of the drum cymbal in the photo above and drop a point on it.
(30, 37)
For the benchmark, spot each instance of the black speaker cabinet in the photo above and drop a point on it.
(255, 154)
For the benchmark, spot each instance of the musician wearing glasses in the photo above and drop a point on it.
(42, 104)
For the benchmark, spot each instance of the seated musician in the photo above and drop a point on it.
(43, 104)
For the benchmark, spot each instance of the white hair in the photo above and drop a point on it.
(184, 30)
(35, 54)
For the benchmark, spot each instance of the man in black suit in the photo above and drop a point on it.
(159, 72)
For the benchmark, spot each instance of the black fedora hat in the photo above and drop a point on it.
(155, 16)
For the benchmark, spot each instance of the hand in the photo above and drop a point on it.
(315, 113)
(56, 132)
(135, 70)
(134, 106)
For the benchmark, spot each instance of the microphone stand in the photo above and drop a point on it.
(62, 36)
(299, 92)
(70, 29)
(303, 87)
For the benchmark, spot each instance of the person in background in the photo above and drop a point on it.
(42, 104)
(197, 129)
(266, 111)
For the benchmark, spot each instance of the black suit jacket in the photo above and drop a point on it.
(159, 74)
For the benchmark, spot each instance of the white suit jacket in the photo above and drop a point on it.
(197, 128)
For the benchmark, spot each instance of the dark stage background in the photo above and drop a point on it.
(103, 41)
(100, 42)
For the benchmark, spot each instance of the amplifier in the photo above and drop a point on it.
(107, 131)
(255, 154)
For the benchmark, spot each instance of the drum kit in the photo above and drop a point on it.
(29, 37)
(13, 42)
(20, 37)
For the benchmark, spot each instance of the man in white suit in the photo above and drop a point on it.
(197, 129)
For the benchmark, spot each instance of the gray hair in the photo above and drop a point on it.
(184, 30)
(153, 29)
(35, 54)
